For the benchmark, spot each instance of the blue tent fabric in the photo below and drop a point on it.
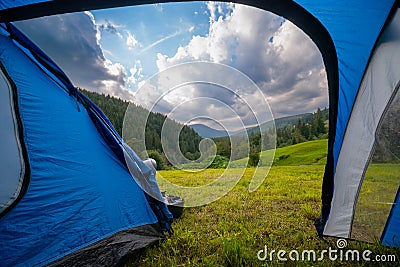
(78, 193)
(390, 235)
(12, 4)
(102, 123)
(39, 55)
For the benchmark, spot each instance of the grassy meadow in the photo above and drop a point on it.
(279, 215)
(374, 203)
(308, 153)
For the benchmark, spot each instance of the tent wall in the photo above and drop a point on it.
(379, 86)
(12, 162)
(79, 191)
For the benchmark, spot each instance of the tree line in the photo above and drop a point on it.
(304, 131)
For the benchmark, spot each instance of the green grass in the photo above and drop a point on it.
(231, 230)
(307, 153)
(374, 203)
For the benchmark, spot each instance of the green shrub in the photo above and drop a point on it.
(158, 157)
(254, 158)
(219, 162)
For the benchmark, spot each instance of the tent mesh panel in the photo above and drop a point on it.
(382, 178)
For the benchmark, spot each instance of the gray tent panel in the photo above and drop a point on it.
(11, 159)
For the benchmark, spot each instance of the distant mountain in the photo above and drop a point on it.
(290, 120)
(207, 132)
(281, 123)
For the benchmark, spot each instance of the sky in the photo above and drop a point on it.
(115, 51)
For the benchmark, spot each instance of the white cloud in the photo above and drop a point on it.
(274, 53)
(72, 41)
(108, 26)
(136, 77)
(212, 7)
(131, 41)
(98, 34)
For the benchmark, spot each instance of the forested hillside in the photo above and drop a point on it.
(307, 129)
(292, 130)
(115, 109)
